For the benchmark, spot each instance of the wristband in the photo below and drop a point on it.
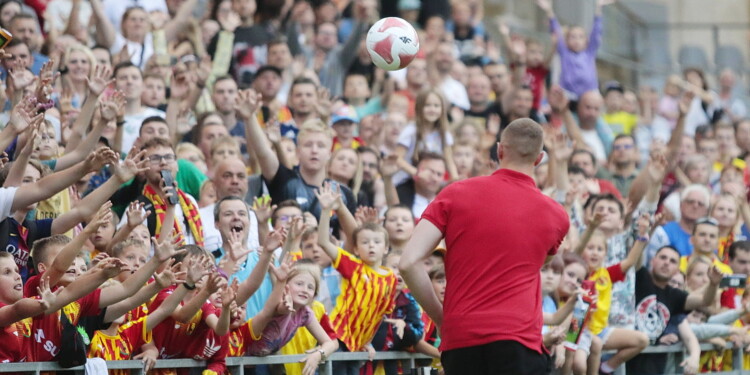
(120, 123)
(322, 355)
(188, 286)
(642, 238)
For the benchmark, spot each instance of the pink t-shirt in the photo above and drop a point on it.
(277, 333)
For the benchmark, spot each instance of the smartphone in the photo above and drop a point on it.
(580, 317)
(733, 281)
(169, 182)
(5, 37)
(589, 286)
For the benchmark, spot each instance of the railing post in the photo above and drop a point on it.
(328, 367)
(737, 362)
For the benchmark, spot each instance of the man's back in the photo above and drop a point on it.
(498, 230)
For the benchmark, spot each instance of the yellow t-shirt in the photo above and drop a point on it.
(603, 279)
(621, 122)
(725, 269)
(302, 341)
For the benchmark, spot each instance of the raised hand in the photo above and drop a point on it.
(247, 103)
(163, 250)
(686, 101)
(111, 106)
(112, 266)
(99, 158)
(644, 224)
(263, 208)
(328, 197)
(99, 81)
(196, 267)
(275, 239)
(136, 214)
(389, 166)
(47, 296)
(323, 105)
(23, 114)
(230, 22)
(20, 77)
(714, 275)
(400, 325)
(102, 217)
(657, 168)
(273, 130)
(133, 164)
(171, 275)
(366, 215)
(229, 294)
(563, 148)
(237, 249)
(215, 283)
(281, 273)
(558, 100)
(596, 221)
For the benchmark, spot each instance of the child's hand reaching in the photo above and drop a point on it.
(47, 296)
(111, 267)
(644, 225)
(281, 273)
(596, 221)
(215, 283)
(263, 208)
(275, 240)
(163, 250)
(171, 275)
(366, 215)
(400, 325)
(197, 267)
(286, 305)
(229, 294)
(102, 217)
(328, 197)
(136, 214)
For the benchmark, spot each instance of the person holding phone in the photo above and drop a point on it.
(162, 196)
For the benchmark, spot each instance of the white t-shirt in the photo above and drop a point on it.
(591, 137)
(455, 92)
(6, 201)
(57, 13)
(139, 53)
(212, 237)
(132, 126)
(420, 204)
(114, 9)
(432, 142)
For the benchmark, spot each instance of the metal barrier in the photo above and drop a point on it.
(236, 365)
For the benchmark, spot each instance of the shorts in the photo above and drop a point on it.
(585, 342)
(503, 357)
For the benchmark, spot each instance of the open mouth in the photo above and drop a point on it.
(237, 228)
(18, 286)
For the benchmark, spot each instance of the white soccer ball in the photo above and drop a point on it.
(392, 43)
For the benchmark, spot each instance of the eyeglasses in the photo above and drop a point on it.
(695, 201)
(622, 147)
(287, 218)
(156, 159)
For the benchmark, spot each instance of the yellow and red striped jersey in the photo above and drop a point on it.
(366, 295)
(130, 337)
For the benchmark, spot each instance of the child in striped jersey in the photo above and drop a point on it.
(368, 289)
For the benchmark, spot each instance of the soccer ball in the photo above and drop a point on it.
(392, 43)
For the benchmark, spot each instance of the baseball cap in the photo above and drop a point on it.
(346, 112)
(613, 86)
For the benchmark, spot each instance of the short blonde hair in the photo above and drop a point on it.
(225, 140)
(309, 267)
(189, 147)
(314, 126)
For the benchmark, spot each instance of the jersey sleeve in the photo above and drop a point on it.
(90, 303)
(438, 211)
(7, 194)
(135, 332)
(615, 273)
(345, 263)
(29, 289)
(325, 322)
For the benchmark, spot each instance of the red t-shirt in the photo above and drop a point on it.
(536, 77)
(41, 341)
(10, 343)
(498, 229)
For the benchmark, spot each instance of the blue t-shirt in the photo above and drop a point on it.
(258, 299)
(549, 306)
(19, 239)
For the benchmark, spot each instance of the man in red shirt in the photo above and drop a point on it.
(491, 321)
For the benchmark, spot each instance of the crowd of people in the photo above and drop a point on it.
(220, 178)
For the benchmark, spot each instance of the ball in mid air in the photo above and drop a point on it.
(392, 43)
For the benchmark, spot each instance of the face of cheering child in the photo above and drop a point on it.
(438, 285)
(141, 232)
(11, 285)
(572, 279)
(311, 250)
(134, 257)
(391, 261)
(575, 39)
(104, 235)
(371, 247)
(595, 251)
(302, 289)
(550, 279)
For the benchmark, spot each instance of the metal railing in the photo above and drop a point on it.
(236, 365)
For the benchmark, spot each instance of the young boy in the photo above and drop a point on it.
(343, 122)
(363, 276)
(705, 241)
(330, 278)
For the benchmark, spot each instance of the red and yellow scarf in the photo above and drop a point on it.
(189, 210)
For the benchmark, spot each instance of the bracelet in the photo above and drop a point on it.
(322, 355)
(120, 123)
(188, 286)
(642, 238)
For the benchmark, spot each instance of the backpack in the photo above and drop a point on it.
(73, 351)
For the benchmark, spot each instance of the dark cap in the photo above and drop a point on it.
(267, 68)
(613, 86)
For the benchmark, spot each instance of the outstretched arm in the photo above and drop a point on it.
(328, 200)
(258, 274)
(423, 241)
(248, 102)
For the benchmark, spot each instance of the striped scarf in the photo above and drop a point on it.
(189, 210)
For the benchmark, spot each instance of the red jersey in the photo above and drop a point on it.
(536, 77)
(499, 261)
(42, 334)
(11, 349)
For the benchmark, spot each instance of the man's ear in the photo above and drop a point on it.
(539, 158)
(499, 151)
(41, 268)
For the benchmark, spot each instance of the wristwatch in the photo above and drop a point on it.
(642, 238)
(322, 355)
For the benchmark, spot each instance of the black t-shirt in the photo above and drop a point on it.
(289, 184)
(655, 308)
(482, 117)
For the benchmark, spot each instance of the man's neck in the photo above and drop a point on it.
(520, 168)
(414, 86)
(300, 118)
(658, 283)
(478, 107)
(357, 102)
(687, 225)
(588, 125)
(314, 178)
(133, 107)
(624, 169)
(229, 119)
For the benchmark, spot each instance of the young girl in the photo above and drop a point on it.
(627, 342)
(287, 309)
(345, 167)
(577, 56)
(399, 222)
(428, 133)
(726, 212)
